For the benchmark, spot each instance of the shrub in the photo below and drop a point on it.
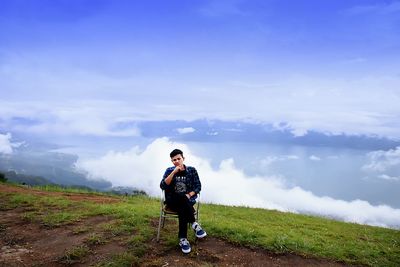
(3, 178)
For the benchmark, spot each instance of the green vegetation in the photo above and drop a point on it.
(95, 239)
(116, 228)
(135, 216)
(121, 260)
(81, 229)
(304, 235)
(53, 219)
(3, 178)
(74, 255)
(67, 189)
(25, 179)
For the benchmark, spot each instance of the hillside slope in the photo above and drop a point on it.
(88, 229)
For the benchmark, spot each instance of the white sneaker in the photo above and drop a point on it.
(200, 233)
(185, 245)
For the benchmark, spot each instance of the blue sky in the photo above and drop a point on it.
(92, 70)
(82, 66)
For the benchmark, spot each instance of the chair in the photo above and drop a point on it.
(166, 212)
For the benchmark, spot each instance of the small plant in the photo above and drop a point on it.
(121, 260)
(117, 228)
(22, 200)
(138, 245)
(95, 239)
(59, 218)
(29, 216)
(53, 201)
(74, 255)
(80, 230)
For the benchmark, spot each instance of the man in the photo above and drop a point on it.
(182, 184)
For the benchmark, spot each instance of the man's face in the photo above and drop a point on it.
(177, 160)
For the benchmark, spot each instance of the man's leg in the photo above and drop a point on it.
(185, 210)
(185, 214)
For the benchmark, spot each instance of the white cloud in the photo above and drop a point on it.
(91, 101)
(314, 158)
(389, 178)
(98, 118)
(304, 103)
(229, 185)
(271, 159)
(5, 144)
(380, 160)
(186, 130)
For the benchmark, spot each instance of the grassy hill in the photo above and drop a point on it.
(107, 230)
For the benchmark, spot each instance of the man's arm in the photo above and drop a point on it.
(196, 183)
(163, 185)
(169, 176)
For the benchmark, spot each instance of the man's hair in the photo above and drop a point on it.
(175, 152)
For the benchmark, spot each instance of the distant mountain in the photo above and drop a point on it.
(204, 130)
(126, 190)
(235, 131)
(54, 167)
(12, 176)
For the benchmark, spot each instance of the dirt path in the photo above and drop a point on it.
(24, 243)
(216, 252)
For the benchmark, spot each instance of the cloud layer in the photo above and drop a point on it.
(227, 60)
(383, 165)
(5, 144)
(229, 185)
(383, 160)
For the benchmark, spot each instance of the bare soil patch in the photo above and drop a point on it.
(28, 244)
(212, 251)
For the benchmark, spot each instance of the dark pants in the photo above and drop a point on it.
(184, 207)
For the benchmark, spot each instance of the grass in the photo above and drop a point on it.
(304, 235)
(95, 239)
(65, 189)
(116, 228)
(275, 231)
(81, 229)
(120, 260)
(58, 218)
(74, 255)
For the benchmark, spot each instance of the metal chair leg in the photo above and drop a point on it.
(161, 221)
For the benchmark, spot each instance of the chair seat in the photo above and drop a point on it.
(169, 210)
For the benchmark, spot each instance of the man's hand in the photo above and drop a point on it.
(190, 194)
(178, 169)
